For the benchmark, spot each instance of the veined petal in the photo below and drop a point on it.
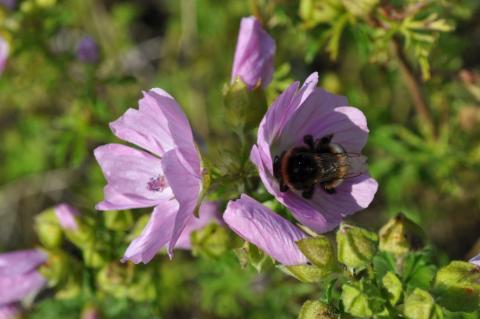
(135, 178)
(15, 288)
(186, 184)
(268, 231)
(155, 235)
(158, 126)
(20, 262)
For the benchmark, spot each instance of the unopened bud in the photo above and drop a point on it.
(356, 246)
(48, 229)
(457, 286)
(421, 305)
(319, 251)
(400, 235)
(305, 273)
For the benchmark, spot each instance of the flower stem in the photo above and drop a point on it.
(413, 84)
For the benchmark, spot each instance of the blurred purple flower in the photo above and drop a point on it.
(4, 48)
(475, 260)
(253, 61)
(167, 176)
(87, 50)
(66, 215)
(9, 312)
(313, 111)
(268, 231)
(19, 277)
(9, 4)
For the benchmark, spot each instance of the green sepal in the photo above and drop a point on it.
(249, 254)
(319, 250)
(314, 309)
(457, 287)
(305, 273)
(212, 240)
(393, 285)
(356, 246)
(400, 235)
(421, 305)
(244, 108)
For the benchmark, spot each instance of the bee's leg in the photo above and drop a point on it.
(276, 166)
(283, 187)
(328, 188)
(308, 193)
(322, 145)
(308, 139)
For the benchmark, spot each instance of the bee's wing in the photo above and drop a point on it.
(357, 165)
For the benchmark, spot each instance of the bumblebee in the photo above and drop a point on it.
(318, 163)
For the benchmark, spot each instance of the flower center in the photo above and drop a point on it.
(157, 184)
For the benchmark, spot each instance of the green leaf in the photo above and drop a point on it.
(314, 309)
(457, 286)
(420, 305)
(356, 246)
(362, 299)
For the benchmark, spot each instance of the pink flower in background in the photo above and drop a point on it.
(166, 176)
(475, 260)
(253, 61)
(67, 215)
(87, 50)
(312, 115)
(9, 312)
(158, 231)
(9, 4)
(19, 277)
(268, 231)
(4, 49)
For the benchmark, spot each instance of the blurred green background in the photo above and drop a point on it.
(412, 67)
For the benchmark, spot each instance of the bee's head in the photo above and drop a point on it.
(302, 168)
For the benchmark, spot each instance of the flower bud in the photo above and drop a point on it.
(356, 246)
(319, 251)
(57, 267)
(362, 299)
(48, 229)
(400, 235)
(394, 287)
(457, 286)
(87, 50)
(305, 273)
(420, 305)
(314, 309)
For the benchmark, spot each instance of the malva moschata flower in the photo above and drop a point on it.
(308, 155)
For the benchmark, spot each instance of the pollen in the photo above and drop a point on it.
(157, 184)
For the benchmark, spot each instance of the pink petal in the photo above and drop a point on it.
(66, 215)
(20, 262)
(155, 235)
(129, 172)
(208, 213)
(186, 184)
(15, 288)
(4, 48)
(475, 260)
(253, 61)
(9, 312)
(268, 231)
(159, 124)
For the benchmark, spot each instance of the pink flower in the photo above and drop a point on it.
(19, 277)
(166, 176)
(268, 231)
(475, 260)
(310, 114)
(9, 312)
(4, 49)
(66, 215)
(253, 61)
